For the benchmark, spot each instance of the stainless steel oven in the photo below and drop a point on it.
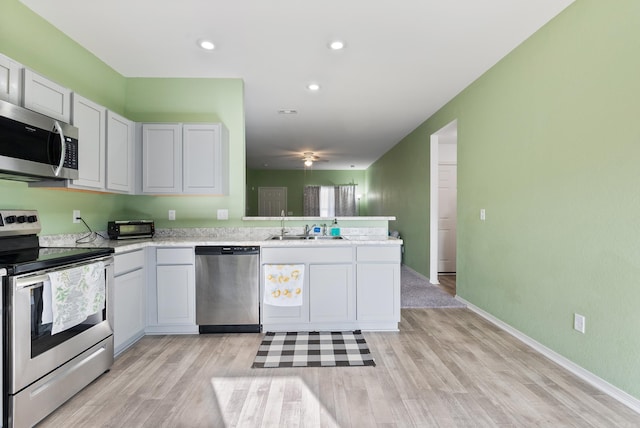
(48, 358)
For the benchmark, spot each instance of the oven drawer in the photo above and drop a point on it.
(41, 398)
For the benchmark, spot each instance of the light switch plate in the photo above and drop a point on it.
(223, 214)
(579, 323)
(172, 214)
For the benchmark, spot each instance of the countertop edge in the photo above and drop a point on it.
(132, 245)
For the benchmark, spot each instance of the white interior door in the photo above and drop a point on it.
(447, 190)
(272, 201)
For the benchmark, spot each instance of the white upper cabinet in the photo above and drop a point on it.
(46, 97)
(9, 80)
(161, 158)
(120, 157)
(189, 158)
(205, 159)
(89, 118)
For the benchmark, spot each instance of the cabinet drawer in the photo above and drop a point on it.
(307, 255)
(175, 256)
(378, 254)
(128, 262)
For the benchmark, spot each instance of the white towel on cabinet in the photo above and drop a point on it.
(283, 285)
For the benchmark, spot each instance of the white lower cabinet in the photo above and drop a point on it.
(378, 283)
(175, 295)
(332, 293)
(129, 297)
(174, 292)
(346, 287)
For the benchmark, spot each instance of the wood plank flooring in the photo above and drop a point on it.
(448, 283)
(445, 368)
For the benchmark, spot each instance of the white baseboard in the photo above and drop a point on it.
(597, 382)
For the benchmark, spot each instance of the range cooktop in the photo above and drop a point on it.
(20, 251)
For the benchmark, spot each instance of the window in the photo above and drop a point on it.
(330, 201)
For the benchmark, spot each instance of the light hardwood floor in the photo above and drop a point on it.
(448, 283)
(445, 368)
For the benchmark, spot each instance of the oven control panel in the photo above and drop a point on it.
(19, 222)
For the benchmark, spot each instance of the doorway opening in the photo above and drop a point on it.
(443, 204)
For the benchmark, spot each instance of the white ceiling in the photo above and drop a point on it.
(404, 59)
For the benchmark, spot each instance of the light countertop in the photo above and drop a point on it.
(121, 246)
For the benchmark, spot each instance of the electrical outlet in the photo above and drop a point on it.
(579, 323)
(172, 214)
(223, 214)
(76, 216)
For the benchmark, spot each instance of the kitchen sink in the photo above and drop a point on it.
(302, 238)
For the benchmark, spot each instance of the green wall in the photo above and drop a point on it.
(548, 144)
(30, 40)
(295, 180)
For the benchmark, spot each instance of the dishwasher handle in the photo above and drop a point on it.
(222, 250)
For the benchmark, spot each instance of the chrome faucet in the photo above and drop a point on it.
(282, 231)
(324, 229)
(306, 230)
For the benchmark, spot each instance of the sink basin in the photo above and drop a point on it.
(302, 238)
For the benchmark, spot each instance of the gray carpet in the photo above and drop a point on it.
(416, 292)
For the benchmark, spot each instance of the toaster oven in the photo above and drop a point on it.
(130, 229)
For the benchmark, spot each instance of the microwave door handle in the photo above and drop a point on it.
(63, 149)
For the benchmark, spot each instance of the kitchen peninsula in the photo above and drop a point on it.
(348, 283)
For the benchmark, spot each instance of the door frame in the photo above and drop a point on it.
(433, 200)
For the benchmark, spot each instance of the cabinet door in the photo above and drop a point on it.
(47, 97)
(378, 292)
(332, 293)
(285, 314)
(120, 135)
(176, 294)
(161, 158)
(128, 308)
(204, 166)
(9, 80)
(89, 118)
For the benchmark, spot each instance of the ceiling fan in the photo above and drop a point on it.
(310, 157)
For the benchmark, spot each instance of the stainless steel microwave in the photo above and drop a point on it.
(129, 229)
(36, 147)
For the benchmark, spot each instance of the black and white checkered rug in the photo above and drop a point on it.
(313, 349)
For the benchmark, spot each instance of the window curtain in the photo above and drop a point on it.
(311, 201)
(345, 201)
(330, 201)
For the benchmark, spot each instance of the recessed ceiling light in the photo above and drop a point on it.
(206, 44)
(313, 87)
(336, 45)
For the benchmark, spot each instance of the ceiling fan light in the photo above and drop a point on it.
(308, 162)
(206, 44)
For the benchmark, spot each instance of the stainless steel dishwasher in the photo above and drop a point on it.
(227, 289)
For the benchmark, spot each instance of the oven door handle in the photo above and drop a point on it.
(30, 282)
(36, 280)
